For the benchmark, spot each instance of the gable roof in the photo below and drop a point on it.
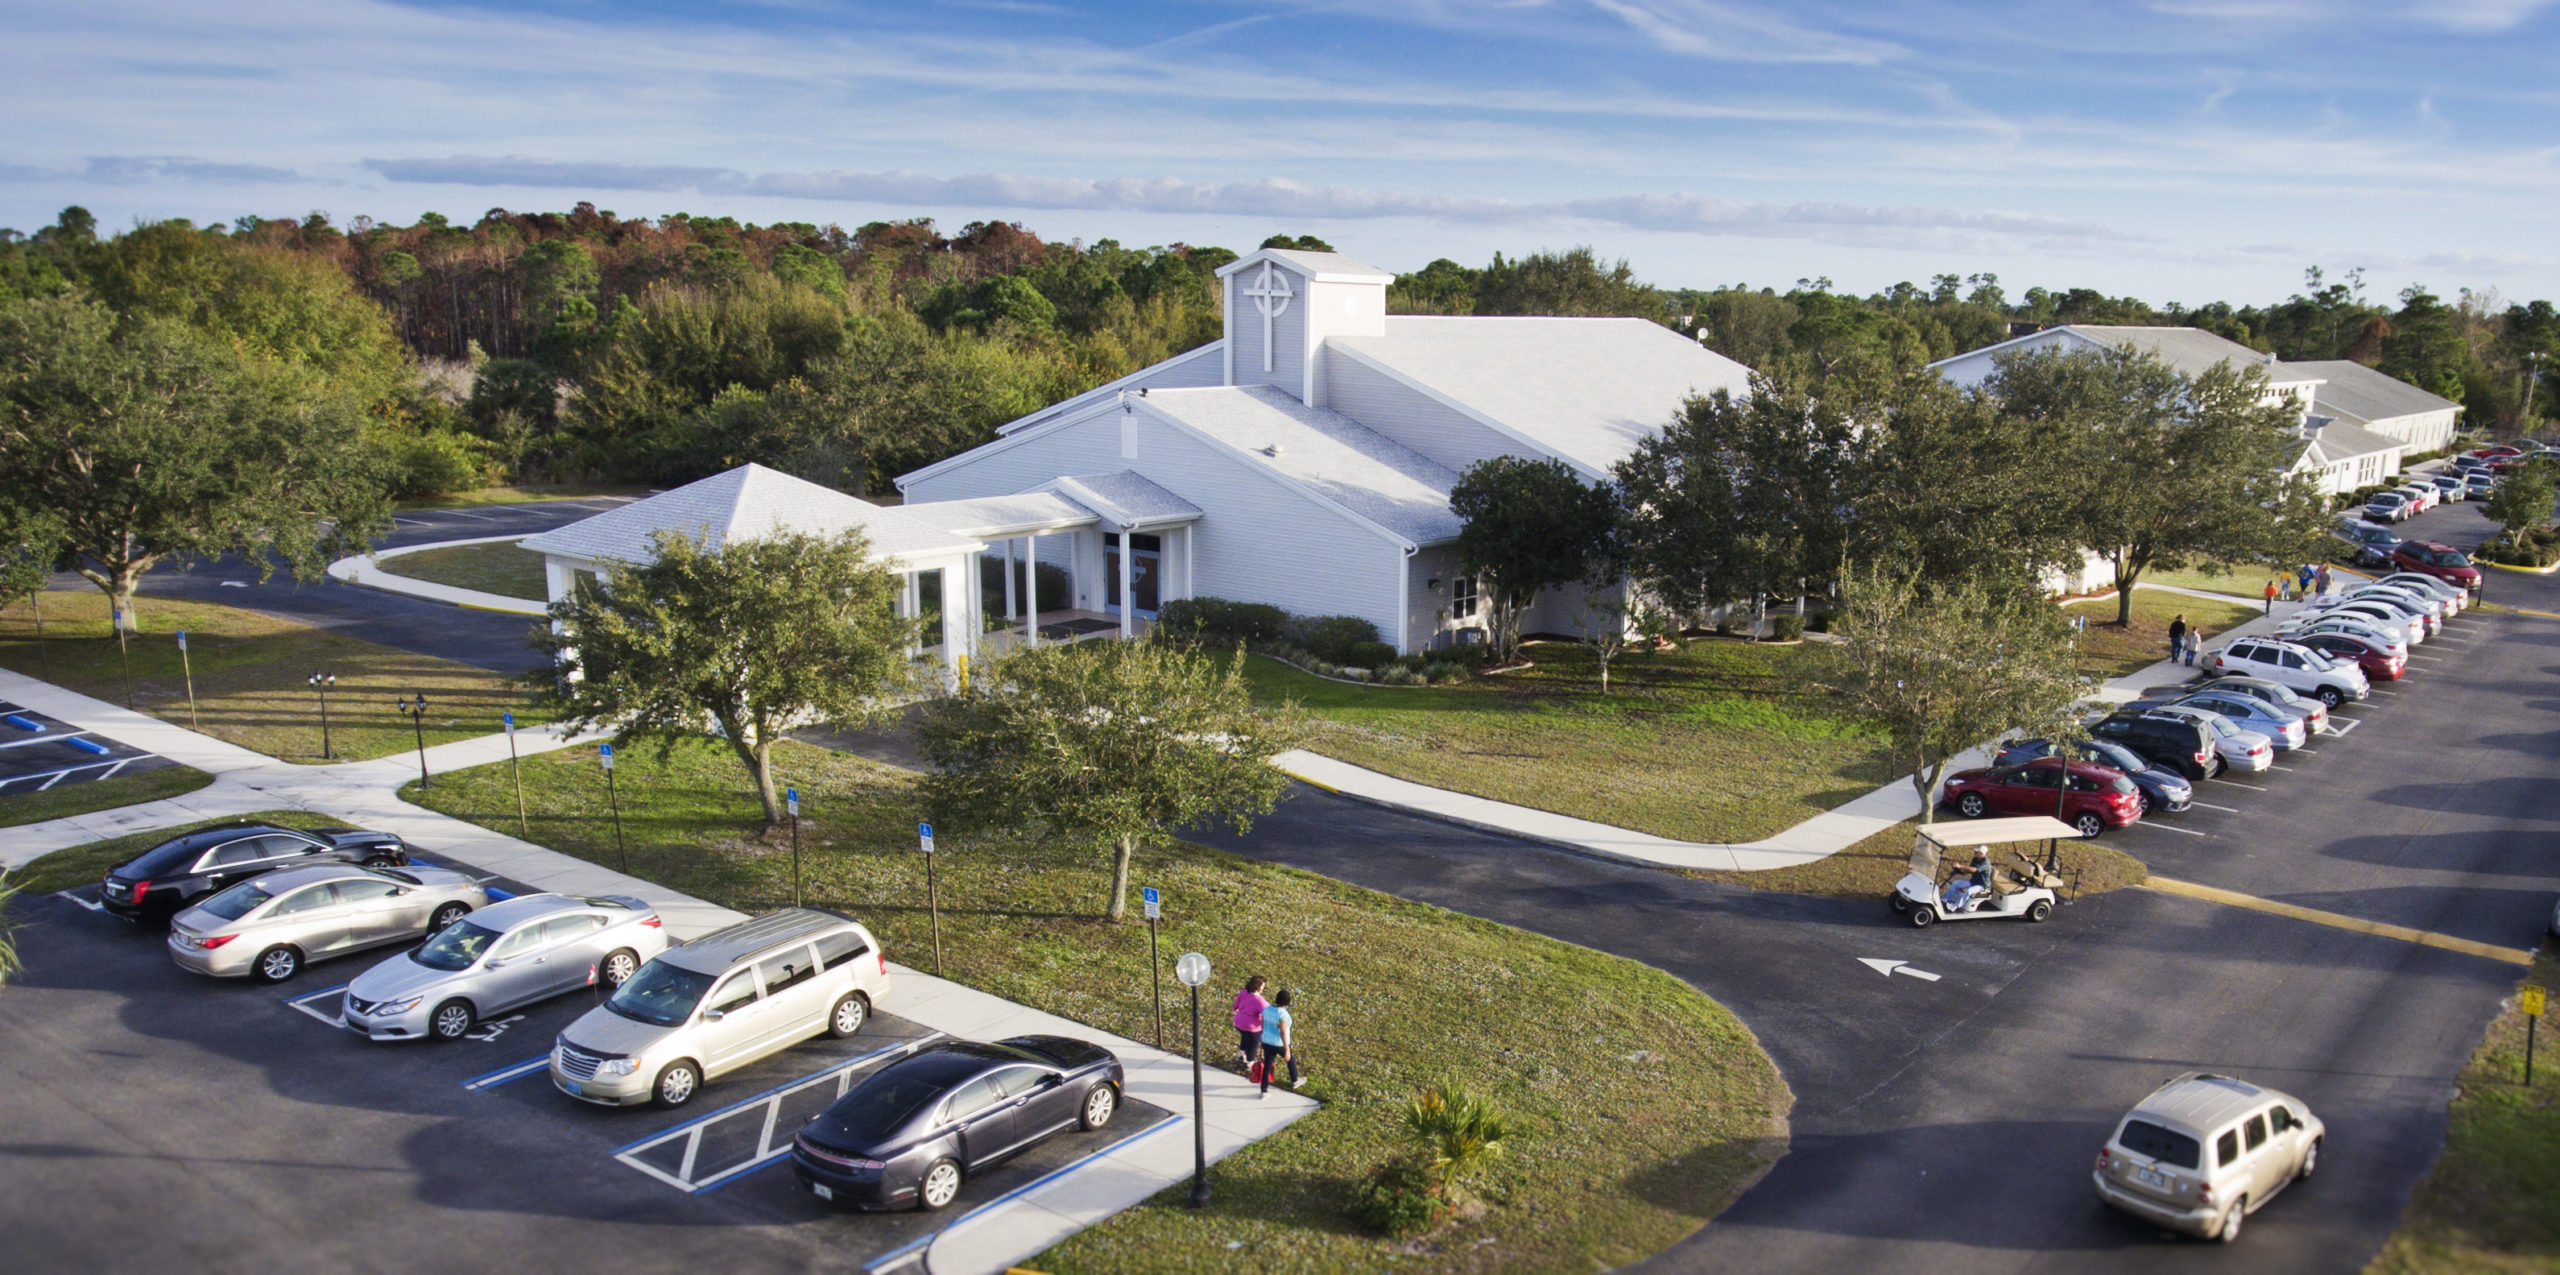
(2345, 440)
(1201, 365)
(2350, 391)
(1324, 453)
(1585, 390)
(741, 504)
(2190, 352)
(1329, 267)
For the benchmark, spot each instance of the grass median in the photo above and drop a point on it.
(2492, 1202)
(1640, 1106)
(497, 567)
(251, 676)
(64, 800)
(1719, 740)
(2112, 650)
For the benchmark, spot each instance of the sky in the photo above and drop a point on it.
(2177, 151)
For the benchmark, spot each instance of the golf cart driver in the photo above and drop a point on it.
(1951, 877)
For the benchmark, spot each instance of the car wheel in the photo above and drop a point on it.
(2220, 765)
(1921, 917)
(1100, 1104)
(849, 1016)
(451, 1021)
(2089, 824)
(382, 861)
(2144, 800)
(278, 963)
(2040, 909)
(2332, 697)
(677, 1083)
(445, 917)
(2230, 1229)
(1971, 805)
(940, 1187)
(617, 968)
(2310, 1161)
(1897, 902)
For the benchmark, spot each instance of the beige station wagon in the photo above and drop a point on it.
(2204, 1151)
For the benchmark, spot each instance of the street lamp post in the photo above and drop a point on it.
(321, 682)
(416, 709)
(1193, 970)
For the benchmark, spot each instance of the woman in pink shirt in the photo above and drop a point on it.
(1249, 1007)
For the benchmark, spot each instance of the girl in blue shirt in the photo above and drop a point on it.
(1278, 1041)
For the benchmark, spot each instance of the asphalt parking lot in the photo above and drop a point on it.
(155, 1118)
(38, 753)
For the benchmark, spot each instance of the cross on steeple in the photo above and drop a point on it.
(1270, 293)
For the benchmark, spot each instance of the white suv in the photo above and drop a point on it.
(2295, 667)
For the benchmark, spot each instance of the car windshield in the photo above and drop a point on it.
(879, 1106)
(2168, 1146)
(2448, 558)
(456, 947)
(238, 901)
(2120, 784)
(660, 995)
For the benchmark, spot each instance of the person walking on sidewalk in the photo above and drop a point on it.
(2320, 580)
(2195, 643)
(2271, 597)
(1279, 1042)
(1250, 1008)
(2177, 638)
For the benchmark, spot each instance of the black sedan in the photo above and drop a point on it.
(185, 870)
(2161, 789)
(914, 1130)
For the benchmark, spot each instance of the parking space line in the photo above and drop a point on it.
(2149, 823)
(303, 1002)
(2379, 691)
(2286, 769)
(66, 894)
(691, 1131)
(2341, 725)
(907, 1249)
(2232, 784)
(512, 1071)
(2228, 810)
(2423, 938)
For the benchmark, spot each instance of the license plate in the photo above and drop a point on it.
(572, 1087)
(2149, 1177)
(823, 1192)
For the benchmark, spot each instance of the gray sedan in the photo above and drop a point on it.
(270, 926)
(2283, 727)
(513, 953)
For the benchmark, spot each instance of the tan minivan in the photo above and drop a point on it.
(2204, 1151)
(719, 1003)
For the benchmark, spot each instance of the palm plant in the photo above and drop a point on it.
(8, 937)
(1458, 1130)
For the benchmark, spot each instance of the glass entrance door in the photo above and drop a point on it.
(1146, 562)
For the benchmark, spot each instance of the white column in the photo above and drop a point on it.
(1075, 568)
(1128, 596)
(1011, 612)
(1031, 591)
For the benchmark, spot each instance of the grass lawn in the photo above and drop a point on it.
(83, 865)
(1869, 869)
(1720, 740)
(64, 800)
(2113, 651)
(2239, 579)
(1640, 1107)
(522, 494)
(496, 567)
(2492, 1202)
(250, 676)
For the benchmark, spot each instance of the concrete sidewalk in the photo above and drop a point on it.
(991, 1237)
(366, 570)
(1816, 838)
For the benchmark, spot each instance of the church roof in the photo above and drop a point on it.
(741, 504)
(1119, 500)
(2344, 439)
(1587, 390)
(1325, 453)
(2190, 352)
(1327, 266)
(2354, 392)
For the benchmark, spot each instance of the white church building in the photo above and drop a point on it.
(1303, 460)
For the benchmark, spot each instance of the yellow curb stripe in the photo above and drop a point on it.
(1311, 783)
(2548, 615)
(2423, 938)
(2531, 571)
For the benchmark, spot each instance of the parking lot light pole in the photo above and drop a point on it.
(621, 851)
(321, 682)
(1193, 970)
(416, 708)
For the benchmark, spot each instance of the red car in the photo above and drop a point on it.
(2434, 558)
(2378, 663)
(2502, 449)
(2100, 797)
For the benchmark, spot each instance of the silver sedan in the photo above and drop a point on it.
(516, 952)
(270, 926)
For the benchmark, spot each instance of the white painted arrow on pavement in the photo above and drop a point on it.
(1890, 968)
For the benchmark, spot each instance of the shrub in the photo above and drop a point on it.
(436, 463)
(1399, 1200)
(1371, 655)
(1334, 637)
(1819, 622)
(1457, 1130)
(1222, 622)
(1790, 628)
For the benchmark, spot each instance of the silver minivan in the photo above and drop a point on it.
(719, 1003)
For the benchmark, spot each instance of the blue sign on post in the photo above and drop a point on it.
(606, 751)
(509, 717)
(924, 833)
(1154, 901)
(791, 800)
(182, 639)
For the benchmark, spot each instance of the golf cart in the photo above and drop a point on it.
(1940, 857)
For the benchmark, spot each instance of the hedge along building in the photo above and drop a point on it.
(1305, 459)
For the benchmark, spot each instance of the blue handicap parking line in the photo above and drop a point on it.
(1018, 1192)
(744, 1103)
(512, 1071)
(497, 895)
